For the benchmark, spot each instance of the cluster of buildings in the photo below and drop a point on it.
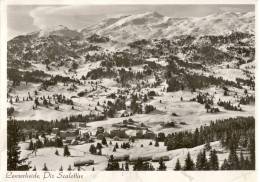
(80, 134)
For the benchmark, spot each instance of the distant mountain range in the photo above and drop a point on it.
(197, 37)
(154, 25)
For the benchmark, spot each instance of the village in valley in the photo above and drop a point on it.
(117, 96)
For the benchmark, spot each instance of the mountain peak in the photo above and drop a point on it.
(155, 14)
(137, 19)
(150, 14)
(152, 24)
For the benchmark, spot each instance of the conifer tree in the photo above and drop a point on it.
(114, 149)
(100, 151)
(202, 163)
(213, 160)
(233, 160)
(58, 142)
(242, 162)
(252, 152)
(177, 165)
(56, 152)
(92, 149)
(156, 143)
(31, 145)
(112, 165)
(39, 143)
(247, 164)
(162, 166)
(196, 137)
(61, 168)
(116, 146)
(14, 162)
(104, 141)
(199, 161)
(45, 167)
(66, 151)
(69, 168)
(225, 165)
(99, 146)
(207, 146)
(126, 166)
(189, 164)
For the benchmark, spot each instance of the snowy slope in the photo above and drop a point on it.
(153, 25)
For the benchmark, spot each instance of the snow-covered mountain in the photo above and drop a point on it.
(150, 25)
(154, 25)
(61, 44)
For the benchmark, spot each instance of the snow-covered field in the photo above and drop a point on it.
(81, 152)
(230, 74)
(191, 113)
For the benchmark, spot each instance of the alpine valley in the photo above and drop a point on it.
(135, 92)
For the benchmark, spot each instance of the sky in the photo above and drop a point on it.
(22, 19)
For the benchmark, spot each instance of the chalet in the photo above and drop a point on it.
(55, 130)
(142, 158)
(84, 162)
(83, 125)
(51, 137)
(116, 138)
(84, 136)
(139, 134)
(119, 125)
(100, 129)
(100, 136)
(79, 124)
(29, 133)
(74, 142)
(118, 132)
(91, 139)
(121, 157)
(69, 133)
(134, 127)
(149, 134)
(69, 139)
(129, 121)
(124, 113)
(158, 158)
(152, 59)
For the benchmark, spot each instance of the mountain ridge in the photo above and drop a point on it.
(149, 25)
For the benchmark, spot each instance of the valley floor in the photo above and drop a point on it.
(81, 152)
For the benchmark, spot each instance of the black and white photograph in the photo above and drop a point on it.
(131, 87)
